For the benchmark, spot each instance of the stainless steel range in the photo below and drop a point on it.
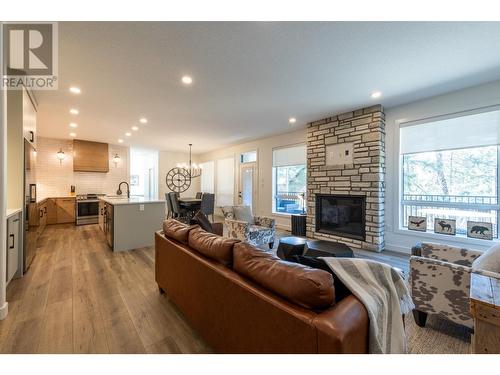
(87, 209)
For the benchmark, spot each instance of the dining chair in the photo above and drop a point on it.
(208, 204)
(178, 212)
(170, 213)
(199, 195)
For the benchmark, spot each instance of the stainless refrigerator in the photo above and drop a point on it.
(31, 217)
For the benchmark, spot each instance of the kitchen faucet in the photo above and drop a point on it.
(119, 191)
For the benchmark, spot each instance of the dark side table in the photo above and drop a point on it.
(320, 248)
(290, 246)
(299, 225)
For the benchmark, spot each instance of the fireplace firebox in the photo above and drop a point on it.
(341, 215)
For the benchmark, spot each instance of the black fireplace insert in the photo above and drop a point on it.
(341, 215)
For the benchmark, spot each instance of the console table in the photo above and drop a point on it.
(485, 309)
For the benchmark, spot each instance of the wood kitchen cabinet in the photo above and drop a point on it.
(13, 226)
(65, 210)
(90, 156)
(51, 214)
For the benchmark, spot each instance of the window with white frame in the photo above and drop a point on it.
(207, 177)
(289, 179)
(450, 169)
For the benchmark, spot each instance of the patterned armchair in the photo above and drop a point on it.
(258, 230)
(440, 282)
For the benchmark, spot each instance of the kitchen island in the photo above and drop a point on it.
(130, 223)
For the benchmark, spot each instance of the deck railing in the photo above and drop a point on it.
(290, 202)
(460, 208)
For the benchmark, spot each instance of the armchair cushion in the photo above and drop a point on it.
(237, 229)
(448, 253)
(489, 262)
(243, 213)
(228, 212)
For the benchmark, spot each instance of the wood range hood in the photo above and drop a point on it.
(90, 156)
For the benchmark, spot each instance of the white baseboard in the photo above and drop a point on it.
(4, 310)
(397, 248)
(283, 227)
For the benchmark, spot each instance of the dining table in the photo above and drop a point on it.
(191, 205)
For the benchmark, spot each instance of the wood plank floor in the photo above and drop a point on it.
(80, 297)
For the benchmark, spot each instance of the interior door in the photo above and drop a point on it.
(248, 185)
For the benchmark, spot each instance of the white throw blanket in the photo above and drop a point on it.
(385, 295)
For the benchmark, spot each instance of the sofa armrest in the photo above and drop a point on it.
(237, 229)
(343, 328)
(441, 288)
(264, 221)
(448, 253)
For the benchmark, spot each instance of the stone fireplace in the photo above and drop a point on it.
(346, 178)
(342, 215)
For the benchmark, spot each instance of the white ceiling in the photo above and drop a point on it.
(249, 78)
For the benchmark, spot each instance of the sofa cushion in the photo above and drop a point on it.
(213, 246)
(243, 213)
(308, 287)
(489, 261)
(176, 230)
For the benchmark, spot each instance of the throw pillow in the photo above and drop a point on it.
(489, 261)
(202, 220)
(341, 290)
(228, 212)
(243, 213)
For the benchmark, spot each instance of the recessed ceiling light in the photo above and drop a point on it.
(143, 120)
(128, 134)
(73, 125)
(75, 90)
(135, 128)
(376, 94)
(74, 111)
(72, 134)
(120, 141)
(187, 80)
(292, 120)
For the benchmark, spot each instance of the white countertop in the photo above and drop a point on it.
(12, 211)
(132, 200)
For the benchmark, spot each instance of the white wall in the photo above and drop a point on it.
(3, 193)
(54, 179)
(168, 160)
(264, 148)
(462, 100)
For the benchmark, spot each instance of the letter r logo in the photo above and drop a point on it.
(28, 48)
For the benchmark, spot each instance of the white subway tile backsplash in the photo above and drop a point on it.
(55, 178)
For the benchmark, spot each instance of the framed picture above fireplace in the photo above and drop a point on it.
(341, 215)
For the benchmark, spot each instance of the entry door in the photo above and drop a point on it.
(247, 187)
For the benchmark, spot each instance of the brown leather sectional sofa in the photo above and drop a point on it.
(242, 299)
